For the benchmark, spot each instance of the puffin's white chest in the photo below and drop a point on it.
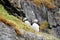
(27, 23)
(35, 27)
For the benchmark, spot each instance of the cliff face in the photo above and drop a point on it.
(17, 29)
(9, 33)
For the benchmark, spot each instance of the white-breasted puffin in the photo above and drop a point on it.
(26, 22)
(35, 26)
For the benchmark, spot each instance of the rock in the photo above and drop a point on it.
(7, 32)
(28, 12)
(56, 32)
(51, 19)
(15, 3)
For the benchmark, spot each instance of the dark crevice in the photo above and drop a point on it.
(12, 10)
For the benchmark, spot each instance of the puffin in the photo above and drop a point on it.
(25, 20)
(35, 26)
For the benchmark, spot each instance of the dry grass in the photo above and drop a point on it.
(48, 3)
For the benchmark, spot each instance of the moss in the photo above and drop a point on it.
(44, 25)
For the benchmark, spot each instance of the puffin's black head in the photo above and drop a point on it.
(25, 19)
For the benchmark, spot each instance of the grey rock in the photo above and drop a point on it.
(57, 14)
(56, 32)
(28, 12)
(51, 18)
(57, 3)
(7, 32)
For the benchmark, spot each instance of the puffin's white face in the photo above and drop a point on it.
(35, 21)
(24, 19)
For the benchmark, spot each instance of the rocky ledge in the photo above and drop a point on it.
(8, 33)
